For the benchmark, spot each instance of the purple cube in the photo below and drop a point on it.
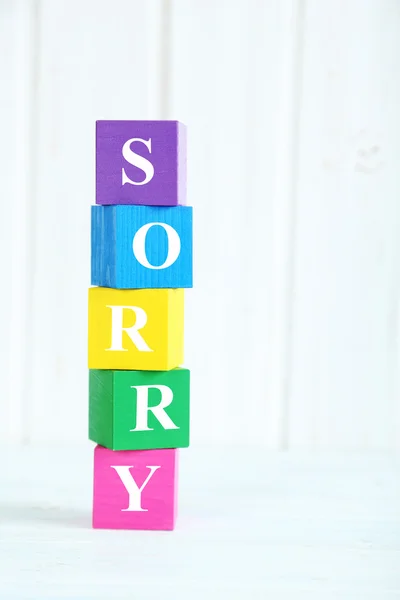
(141, 162)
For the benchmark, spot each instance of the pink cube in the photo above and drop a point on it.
(135, 489)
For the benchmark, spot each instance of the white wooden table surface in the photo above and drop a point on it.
(278, 527)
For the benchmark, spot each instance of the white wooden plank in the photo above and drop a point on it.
(96, 62)
(9, 414)
(347, 251)
(283, 219)
(17, 48)
(232, 84)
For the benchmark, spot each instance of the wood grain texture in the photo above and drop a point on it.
(141, 162)
(135, 329)
(134, 490)
(142, 247)
(101, 407)
(139, 410)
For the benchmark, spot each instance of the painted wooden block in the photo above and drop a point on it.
(135, 329)
(142, 246)
(141, 162)
(139, 410)
(135, 489)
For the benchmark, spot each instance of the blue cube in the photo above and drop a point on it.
(142, 246)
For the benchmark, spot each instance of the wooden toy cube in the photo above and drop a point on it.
(135, 489)
(139, 410)
(142, 246)
(141, 162)
(135, 329)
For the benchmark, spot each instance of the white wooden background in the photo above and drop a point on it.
(293, 113)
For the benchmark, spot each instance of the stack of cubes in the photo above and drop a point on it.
(141, 243)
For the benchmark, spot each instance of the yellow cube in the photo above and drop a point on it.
(136, 329)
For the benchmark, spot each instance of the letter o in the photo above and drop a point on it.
(139, 245)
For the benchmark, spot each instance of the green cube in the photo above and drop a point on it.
(139, 410)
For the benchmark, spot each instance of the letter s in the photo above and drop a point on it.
(137, 161)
